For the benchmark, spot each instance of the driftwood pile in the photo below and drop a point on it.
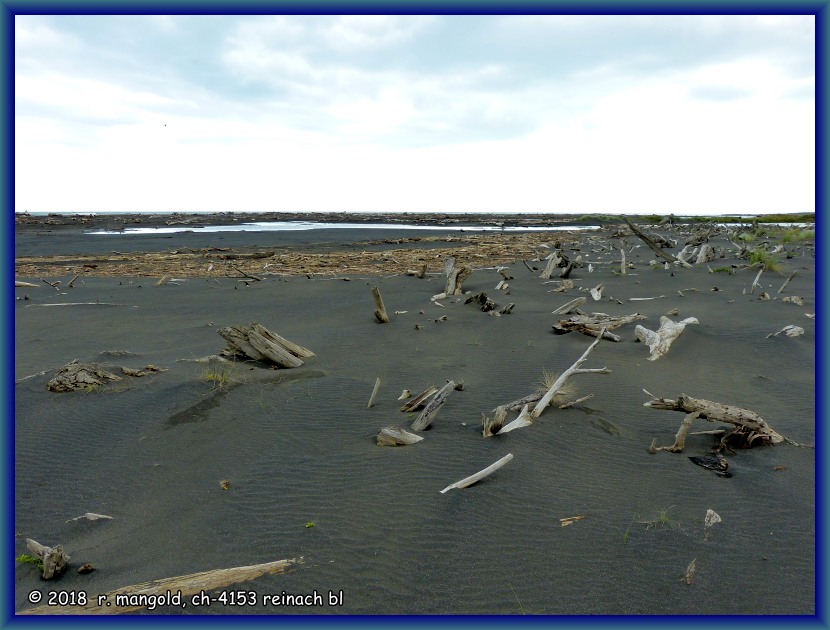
(76, 376)
(257, 343)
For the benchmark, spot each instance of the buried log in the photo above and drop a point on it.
(753, 425)
(79, 376)
(54, 558)
(485, 303)
(659, 342)
(428, 414)
(654, 246)
(380, 309)
(257, 343)
(396, 436)
(468, 481)
(595, 323)
(574, 369)
(161, 592)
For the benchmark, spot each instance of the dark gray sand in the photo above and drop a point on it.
(298, 446)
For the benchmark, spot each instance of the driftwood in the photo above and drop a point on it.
(484, 302)
(54, 558)
(596, 292)
(648, 241)
(787, 281)
(396, 436)
(140, 596)
(553, 261)
(790, 331)
(754, 426)
(380, 309)
(560, 382)
(659, 342)
(259, 344)
(455, 275)
(21, 283)
(429, 412)
(80, 376)
(595, 323)
(374, 393)
(419, 400)
(569, 306)
(468, 481)
(706, 253)
(496, 425)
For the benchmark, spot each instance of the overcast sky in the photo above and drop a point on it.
(683, 114)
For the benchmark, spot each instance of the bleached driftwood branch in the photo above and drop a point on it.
(425, 419)
(468, 481)
(560, 382)
(380, 309)
(593, 323)
(659, 342)
(54, 558)
(396, 436)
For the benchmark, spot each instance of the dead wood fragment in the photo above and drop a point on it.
(569, 306)
(790, 331)
(455, 275)
(485, 303)
(79, 376)
(149, 369)
(793, 299)
(54, 558)
(648, 241)
(594, 323)
(432, 407)
(380, 309)
(90, 516)
(419, 400)
(468, 481)
(596, 292)
(706, 254)
(659, 342)
(787, 281)
(713, 411)
(257, 343)
(72, 282)
(21, 283)
(560, 382)
(374, 393)
(506, 310)
(396, 436)
(205, 581)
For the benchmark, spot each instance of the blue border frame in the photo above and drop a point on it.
(10, 8)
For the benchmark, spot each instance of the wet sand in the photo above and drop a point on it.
(298, 446)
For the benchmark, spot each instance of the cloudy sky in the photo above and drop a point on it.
(684, 114)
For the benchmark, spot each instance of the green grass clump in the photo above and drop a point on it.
(746, 237)
(722, 270)
(220, 376)
(27, 559)
(795, 235)
(768, 261)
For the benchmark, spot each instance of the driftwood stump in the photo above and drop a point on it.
(54, 558)
(659, 342)
(80, 376)
(455, 276)
(257, 343)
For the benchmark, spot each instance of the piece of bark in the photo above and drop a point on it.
(54, 558)
(187, 585)
(713, 411)
(396, 436)
(432, 408)
(380, 309)
(79, 376)
(560, 382)
(659, 342)
(419, 400)
(468, 481)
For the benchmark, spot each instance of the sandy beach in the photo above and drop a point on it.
(205, 466)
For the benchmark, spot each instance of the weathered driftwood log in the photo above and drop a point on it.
(755, 282)
(428, 414)
(787, 281)
(596, 292)
(21, 283)
(148, 369)
(790, 331)
(659, 342)
(396, 436)
(679, 438)
(380, 309)
(553, 261)
(54, 558)
(560, 382)
(648, 241)
(139, 596)
(594, 323)
(713, 411)
(455, 275)
(706, 254)
(419, 400)
(468, 481)
(80, 376)
(257, 343)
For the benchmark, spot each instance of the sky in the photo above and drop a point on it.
(698, 114)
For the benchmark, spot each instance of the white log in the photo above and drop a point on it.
(374, 393)
(524, 419)
(553, 262)
(468, 481)
(21, 283)
(565, 308)
(706, 254)
(574, 369)
(659, 342)
(54, 558)
(596, 292)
